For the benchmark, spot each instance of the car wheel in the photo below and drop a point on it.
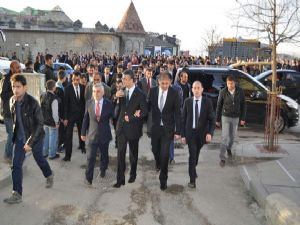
(279, 124)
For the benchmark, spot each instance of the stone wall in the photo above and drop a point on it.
(55, 42)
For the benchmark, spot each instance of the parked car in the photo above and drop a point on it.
(5, 65)
(68, 69)
(214, 79)
(288, 80)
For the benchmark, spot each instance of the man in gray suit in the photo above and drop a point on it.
(145, 84)
(96, 130)
(97, 78)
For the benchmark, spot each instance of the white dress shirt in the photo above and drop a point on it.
(199, 108)
(130, 91)
(165, 94)
(75, 89)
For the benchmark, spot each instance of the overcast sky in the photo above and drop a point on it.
(188, 19)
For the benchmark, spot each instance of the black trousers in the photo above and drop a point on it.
(91, 158)
(194, 144)
(133, 156)
(69, 136)
(160, 142)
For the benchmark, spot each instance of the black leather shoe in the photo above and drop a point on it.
(66, 159)
(83, 150)
(163, 186)
(131, 180)
(192, 185)
(119, 184)
(102, 174)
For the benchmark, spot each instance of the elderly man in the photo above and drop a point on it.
(96, 131)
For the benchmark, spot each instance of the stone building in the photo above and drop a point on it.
(33, 31)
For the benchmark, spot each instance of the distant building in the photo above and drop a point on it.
(34, 31)
(242, 48)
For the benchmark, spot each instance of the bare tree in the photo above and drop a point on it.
(212, 40)
(277, 21)
(91, 40)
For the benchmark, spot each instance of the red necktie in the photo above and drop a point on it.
(98, 110)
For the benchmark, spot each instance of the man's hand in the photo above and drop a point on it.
(183, 140)
(126, 118)
(83, 138)
(218, 124)
(27, 148)
(208, 138)
(137, 113)
(65, 123)
(242, 123)
(120, 93)
(176, 136)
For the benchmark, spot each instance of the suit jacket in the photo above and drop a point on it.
(74, 108)
(206, 120)
(133, 128)
(170, 115)
(110, 79)
(142, 84)
(89, 91)
(92, 128)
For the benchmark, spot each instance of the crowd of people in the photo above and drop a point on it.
(110, 89)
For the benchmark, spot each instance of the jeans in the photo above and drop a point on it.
(18, 159)
(9, 130)
(229, 128)
(50, 141)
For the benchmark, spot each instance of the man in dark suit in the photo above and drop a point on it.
(97, 78)
(132, 108)
(74, 111)
(198, 124)
(107, 76)
(96, 130)
(145, 84)
(165, 105)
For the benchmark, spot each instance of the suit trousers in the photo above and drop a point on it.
(194, 144)
(160, 142)
(69, 136)
(91, 158)
(133, 156)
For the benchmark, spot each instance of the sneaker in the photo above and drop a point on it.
(192, 185)
(15, 198)
(172, 161)
(87, 183)
(50, 181)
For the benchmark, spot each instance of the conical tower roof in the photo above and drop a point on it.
(131, 22)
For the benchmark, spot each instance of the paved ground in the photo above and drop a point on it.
(220, 198)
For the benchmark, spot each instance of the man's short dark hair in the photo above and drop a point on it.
(61, 74)
(48, 56)
(28, 63)
(83, 76)
(90, 66)
(19, 78)
(50, 84)
(62, 68)
(149, 69)
(129, 73)
(76, 73)
(230, 78)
